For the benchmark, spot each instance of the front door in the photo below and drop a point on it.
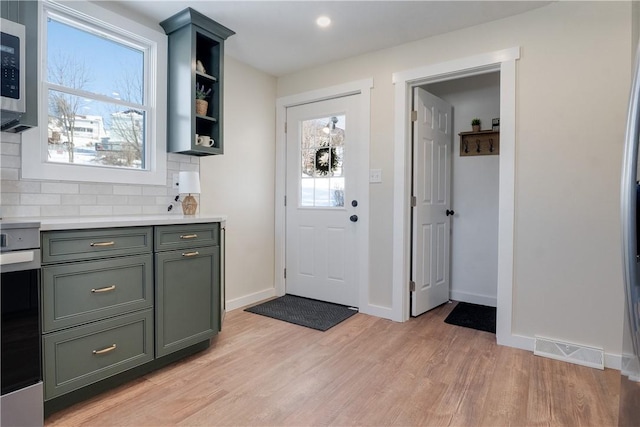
(323, 143)
(432, 141)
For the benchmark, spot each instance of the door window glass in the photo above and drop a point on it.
(322, 162)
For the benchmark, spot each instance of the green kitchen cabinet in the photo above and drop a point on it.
(196, 57)
(187, 298)
(118, 302)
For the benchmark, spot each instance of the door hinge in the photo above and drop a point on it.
(285, 200)
(414, 116)
(412, 286)
(414, 201)
(285, 273)
(285, 127)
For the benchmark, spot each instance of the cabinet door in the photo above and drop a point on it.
(187, 297)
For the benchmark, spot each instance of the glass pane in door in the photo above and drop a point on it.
(322, 162)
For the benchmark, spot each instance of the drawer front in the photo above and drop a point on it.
(80, 356)
(83, 292)
(172, 237)
(61, 246)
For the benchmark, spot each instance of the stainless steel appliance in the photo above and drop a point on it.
(13, 73)
(21, 401)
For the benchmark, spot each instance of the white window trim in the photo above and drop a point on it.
(34, 150)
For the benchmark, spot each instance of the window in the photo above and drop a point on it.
(321, 168)
(101, 110)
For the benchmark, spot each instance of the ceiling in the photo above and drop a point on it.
(281, 37)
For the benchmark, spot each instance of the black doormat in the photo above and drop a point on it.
(473, 316)
(304, 311)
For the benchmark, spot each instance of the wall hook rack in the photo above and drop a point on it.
(486, 142)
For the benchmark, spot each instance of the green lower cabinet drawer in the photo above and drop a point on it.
(80, 356)
(87, 291)
(173, 237)
(74, 245)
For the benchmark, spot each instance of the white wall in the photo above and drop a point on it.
(572, 87)
(474, 183)
(240, 183)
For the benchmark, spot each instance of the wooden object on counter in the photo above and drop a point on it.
(483, 143)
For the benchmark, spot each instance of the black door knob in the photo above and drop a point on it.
(353, 218)
(448, 212)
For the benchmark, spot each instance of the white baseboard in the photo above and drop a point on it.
(472, 298)
(246, 300)
(613, 361)
(517, 341)
(376, 310)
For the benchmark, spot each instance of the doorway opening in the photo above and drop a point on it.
(505, 62)
(468, 187)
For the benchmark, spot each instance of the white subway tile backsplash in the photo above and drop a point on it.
(154, 191)
(20, 211)
(96, 210)
(21, 198)
(154, 210)
(173, 157)
(78, 199)
(9, 174)
(9, 148)
(9, 199)
(189, 167)
(69, 210)
(96, 189)
(9, 161)
(39, 199)
(14, 186)
(127, 210)
(143, 200)
(127, 190)
(112, 200)
(59, 187)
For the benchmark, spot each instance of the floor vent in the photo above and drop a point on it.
(567, 352)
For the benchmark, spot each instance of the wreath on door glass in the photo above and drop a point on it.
(326, 161)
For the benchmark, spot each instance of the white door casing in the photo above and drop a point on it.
(322, 181)
(505, 62)
(431, 225)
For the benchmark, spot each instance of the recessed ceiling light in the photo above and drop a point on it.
(323, 21)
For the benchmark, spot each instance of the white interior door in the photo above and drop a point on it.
(432, 142)
(322, 227)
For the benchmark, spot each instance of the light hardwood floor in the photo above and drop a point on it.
(365, 371)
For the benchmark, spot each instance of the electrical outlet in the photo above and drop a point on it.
(174, 182)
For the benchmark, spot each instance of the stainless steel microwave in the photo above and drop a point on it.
(12, 58)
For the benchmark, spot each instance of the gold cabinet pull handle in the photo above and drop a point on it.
(191, 253)
(105, 350)
(105, 289)
(111, 243)
(189, 236)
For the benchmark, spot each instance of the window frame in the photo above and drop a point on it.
(154, 43)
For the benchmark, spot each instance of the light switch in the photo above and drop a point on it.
(375, 175)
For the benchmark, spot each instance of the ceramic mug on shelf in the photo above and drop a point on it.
(204, 140)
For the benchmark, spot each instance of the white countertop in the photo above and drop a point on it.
(75, 223)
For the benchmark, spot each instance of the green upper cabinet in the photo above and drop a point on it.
(196, 68)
